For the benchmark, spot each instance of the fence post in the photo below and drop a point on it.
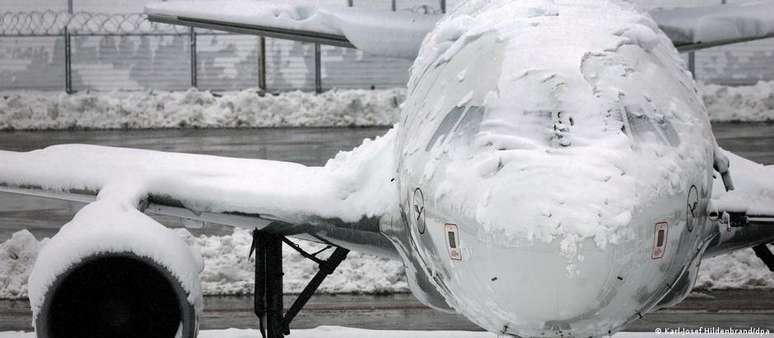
(692, 63)
(394, 5)
(443, 6)
(192, 38)
(68, 62)
(262, 63)
(350, 3)
(68, 51)
(317, 69)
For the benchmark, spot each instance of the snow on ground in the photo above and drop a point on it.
(227, 270)
(344, 332)
(198, 109)
(203, 109)
(747, 103)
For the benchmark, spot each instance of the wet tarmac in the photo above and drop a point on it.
(313, 146)
(725, 309)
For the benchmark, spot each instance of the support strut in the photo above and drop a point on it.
(272, 320)
(763, 252)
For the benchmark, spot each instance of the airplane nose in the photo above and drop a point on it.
(538, 290)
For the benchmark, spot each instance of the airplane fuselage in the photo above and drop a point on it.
(555, 168)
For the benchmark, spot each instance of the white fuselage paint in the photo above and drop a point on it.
(553, 136)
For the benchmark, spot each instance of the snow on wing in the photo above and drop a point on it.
(383, 33)
(400, 34)
(349, 188)
(753, 193)
(710, 26)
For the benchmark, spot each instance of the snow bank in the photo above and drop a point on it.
(228, 272)
(198, 109)
(747, 103)
(739, 269)
(17, 256)
(338, 108)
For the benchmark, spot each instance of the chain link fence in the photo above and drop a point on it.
(85, 50)
(54, 23)
(51, 50)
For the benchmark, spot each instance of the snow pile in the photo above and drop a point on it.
(739, 269)
(227, 271)
(198, 109)
(747, 103)
(338, 108)
(17, 256)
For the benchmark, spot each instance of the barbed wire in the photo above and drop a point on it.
(51, 23)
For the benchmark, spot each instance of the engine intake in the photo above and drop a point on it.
(116, 295)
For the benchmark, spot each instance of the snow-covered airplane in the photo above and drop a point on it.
(551, 175)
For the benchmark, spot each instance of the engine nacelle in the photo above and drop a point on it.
(122, 276)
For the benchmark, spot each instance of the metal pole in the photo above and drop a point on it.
(68, 53)
(443, 6)
(317, 69)
(394, 5)
(274, 286)
(192, 38)
(262, 63)
(68, 62)
(692, 63)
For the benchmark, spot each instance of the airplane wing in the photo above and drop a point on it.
(400, 34)
(343, 200)
(752, 199)
(747, 211)
(704, 27)
(384, 33)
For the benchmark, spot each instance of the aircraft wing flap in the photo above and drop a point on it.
(709, 26)
(377, 32)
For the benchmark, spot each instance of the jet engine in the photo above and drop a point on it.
(119, 276)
